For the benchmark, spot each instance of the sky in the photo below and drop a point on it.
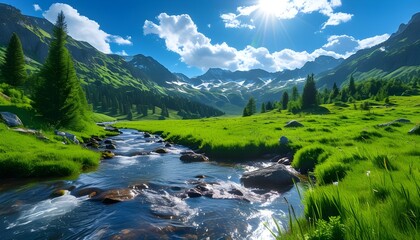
(191, 36)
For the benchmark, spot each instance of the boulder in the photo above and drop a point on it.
(168, 145)
(294, 123)
(415, 130)
(59, 193)
(276, 177)
(109, 141)
(11, 120)
(110, 146)
(283, 140)
(147, 135)
(160, 151)
(193, 157)
(115, 196)
(285, 161)
(68, 136)
(107, 154)
(91, 192)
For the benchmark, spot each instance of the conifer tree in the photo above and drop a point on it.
(59, 96)
(352, 87)
(310, 93)
(334, 93)
(13, 69)
(295, 93)
(285, 100)
(263, 109)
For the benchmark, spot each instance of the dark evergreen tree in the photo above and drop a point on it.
(285, 100)
(245, 112)
(295, 93)
(59, 96)
(263, 109)
(269, 106)
(250, 108)
(352, 87)
(310, 93)
(13, 68)
(334, 93)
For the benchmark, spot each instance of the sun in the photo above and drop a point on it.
(269, 7)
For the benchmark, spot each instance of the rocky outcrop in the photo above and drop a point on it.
(275, 177)
(115, 196)
(395, 122)
(161, 151)
(193, 157)
(11, 119)
(294, 123)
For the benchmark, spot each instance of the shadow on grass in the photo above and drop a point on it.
(316, 110)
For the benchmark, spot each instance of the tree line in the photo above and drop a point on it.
(375, 89)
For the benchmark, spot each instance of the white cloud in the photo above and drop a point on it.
(181, 36)
(231, 21)
(122, 53)
(37, 7)
(286, 9)
(84, 29)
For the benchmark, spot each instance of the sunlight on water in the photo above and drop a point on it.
(48, 210)
(267, 223)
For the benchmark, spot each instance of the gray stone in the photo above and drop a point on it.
(283, 140)
(294, 123)
(194, 157)
(276, 177)
(12, 120)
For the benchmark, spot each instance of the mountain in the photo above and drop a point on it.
(397, 57)
(113, 84)
(230, 91)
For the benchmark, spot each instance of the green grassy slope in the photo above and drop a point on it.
(376, 169)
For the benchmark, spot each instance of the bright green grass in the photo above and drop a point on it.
(99, 117)
(25, 156)
(377, 168)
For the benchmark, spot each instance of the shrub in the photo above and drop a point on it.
(306, 158)
(329, 172)
(56, 168)
(331, 230)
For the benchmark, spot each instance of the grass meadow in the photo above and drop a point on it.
(365, 178)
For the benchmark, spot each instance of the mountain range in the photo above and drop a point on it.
(223, 90)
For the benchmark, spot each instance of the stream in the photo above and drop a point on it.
(158, 210)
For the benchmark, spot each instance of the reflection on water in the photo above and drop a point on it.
(28, 211)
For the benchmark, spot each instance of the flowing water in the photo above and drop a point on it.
(28, 211)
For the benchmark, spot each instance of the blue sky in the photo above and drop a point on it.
(190, 36)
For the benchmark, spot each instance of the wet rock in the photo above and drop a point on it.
(193, 193)
(276, 177)
(110, 146)
(91, 192)
(59, 193)
(67, 136)
(141, 186)
(294, 123)
(168, 145)
(160, 151)
(160, 141)
(187, 152)
(139, 153)
(11, 119)
(193, 157)
(115, 196)
(190, 237)
(285, 161)
(109, 141)
(415, 130)
(147, 135)
(200, 176)
(107, 154)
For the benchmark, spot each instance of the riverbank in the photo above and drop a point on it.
(41, 153)
(366, 163)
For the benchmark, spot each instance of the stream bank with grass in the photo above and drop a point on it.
(364, 162)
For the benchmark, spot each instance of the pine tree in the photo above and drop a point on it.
(295, 93)
(334, 93)
(263, 110)
(285, 100)
(13, 68)
(352, 87)
(269, 106)
(310, 93)
(59, 96)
